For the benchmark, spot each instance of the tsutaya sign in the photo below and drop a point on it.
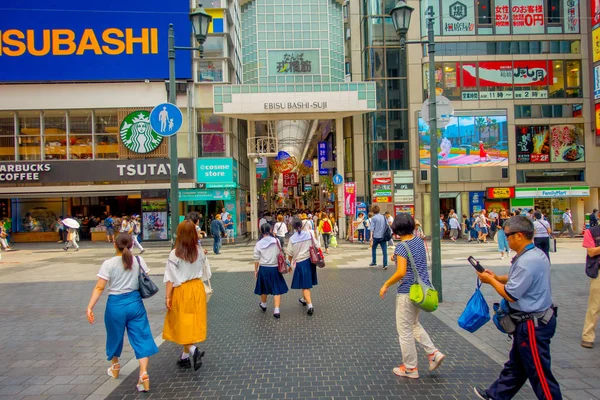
(567, 191)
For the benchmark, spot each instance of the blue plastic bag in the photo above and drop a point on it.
(476, 313)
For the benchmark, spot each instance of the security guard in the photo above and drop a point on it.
(527, 290)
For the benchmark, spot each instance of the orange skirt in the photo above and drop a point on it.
(185, 322)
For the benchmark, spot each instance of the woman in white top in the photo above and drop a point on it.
(125, 226)
(305, 272)
(280, 229)
(361, 227)
(185, 322)
(124, 309)
(269, 280)
(542, 231)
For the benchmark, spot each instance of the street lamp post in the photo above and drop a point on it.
(401, 19)
(200, 22)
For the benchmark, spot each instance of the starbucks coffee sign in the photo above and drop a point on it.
(137, 134)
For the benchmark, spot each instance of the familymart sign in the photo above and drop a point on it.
(550, 192)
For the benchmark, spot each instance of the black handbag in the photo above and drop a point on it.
(147, 287)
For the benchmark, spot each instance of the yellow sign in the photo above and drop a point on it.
(501, 193)
(596, 44)
(598, 119)
(383, 199)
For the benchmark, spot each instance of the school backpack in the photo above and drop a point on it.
(326, 227)
(108, 222)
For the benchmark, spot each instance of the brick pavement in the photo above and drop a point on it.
(51, 352)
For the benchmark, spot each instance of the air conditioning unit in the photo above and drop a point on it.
(424, 176)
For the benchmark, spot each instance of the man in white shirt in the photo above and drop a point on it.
(454, 227)
(224, 214)
(567, 223)
(262, 222)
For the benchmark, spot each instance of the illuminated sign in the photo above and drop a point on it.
(501, 193)
(67, 40)
(293, 62)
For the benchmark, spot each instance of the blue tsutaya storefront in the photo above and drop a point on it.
(217, 188)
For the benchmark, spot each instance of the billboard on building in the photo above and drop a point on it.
(550, 143)
(468, 141)
(596, 44)
(71, 40)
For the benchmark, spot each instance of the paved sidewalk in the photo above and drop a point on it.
(346, 350)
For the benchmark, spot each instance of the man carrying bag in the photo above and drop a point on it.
(527, 290)
(591, 241)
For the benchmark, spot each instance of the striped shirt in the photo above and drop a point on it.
(417, 249)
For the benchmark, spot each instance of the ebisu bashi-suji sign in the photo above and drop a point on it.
(293, 62)
(74, 40)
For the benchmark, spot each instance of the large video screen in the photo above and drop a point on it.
(467, 141)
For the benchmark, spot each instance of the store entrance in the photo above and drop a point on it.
(207, 209)
(447, 204)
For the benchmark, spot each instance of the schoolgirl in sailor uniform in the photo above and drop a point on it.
(269, 280)
(124, 309)
(305, 272)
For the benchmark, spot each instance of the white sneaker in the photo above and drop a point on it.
(435, 360)
(502, 257)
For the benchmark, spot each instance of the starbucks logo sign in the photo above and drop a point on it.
(137, 134)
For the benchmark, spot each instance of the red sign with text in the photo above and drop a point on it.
(290, 179)
(506, 73)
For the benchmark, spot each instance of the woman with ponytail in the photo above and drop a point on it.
(185, 322)
(124, 309)
(305, 272)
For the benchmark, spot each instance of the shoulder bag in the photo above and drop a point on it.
(208, 290)
(316, 255)
(387, 234)
(281, 263)
(421, 295)
(147, 287)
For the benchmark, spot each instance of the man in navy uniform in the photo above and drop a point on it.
(528, 291)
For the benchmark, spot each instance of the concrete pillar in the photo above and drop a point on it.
(339, 164)
(253, 186)
(591, 202)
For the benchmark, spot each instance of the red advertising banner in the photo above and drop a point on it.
(595, 12)
(350, 198)
(506, 73)
(404, 208)
(290, 179)
(382, 181)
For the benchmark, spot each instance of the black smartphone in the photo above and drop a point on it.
(476, 264)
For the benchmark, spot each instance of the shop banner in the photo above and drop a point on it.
(597, 119)
(567, 143)
(434, 5)
(571, 15)
(476, 201)
(216, 170)
(323, 156)
(566, 191)
(502, 17)
(458, 18)
(361, 208)
(205, 194)
(261, 168)
(54, 172)
(595, 13)
(500, 193)
(506, 73)
(350, 198)
(72, 40)
(290, 179)
(404, 209)
(597, 81)
(381, 185)
(596, 44)
(528, 17)
(533, 144)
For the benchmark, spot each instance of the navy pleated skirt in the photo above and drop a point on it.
(305, 275)
(270, 281)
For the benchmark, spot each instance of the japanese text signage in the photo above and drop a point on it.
(502, 17)
(506, 73)
(597, 82)
(350, 198)
(500, 193)
(381, 184)
(323, 156)
(404, 187)
(568, 191)
(571, 16)
(550, 143)
(597, 111)
(290, 179)
(533, 144)
(458, 19)
(293, 62)
(595, 13)
(566, 143)
(476, 202)
(528, 16)
(71, 40)
(596, 44)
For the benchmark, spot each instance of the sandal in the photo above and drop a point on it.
(143, 384)
(113, 370)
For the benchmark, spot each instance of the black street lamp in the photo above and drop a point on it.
(401, 19)
(200, 22)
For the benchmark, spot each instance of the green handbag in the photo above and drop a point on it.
(421, 295)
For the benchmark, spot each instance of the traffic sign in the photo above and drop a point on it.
(444, 111)
(338, 179)
(166, 119)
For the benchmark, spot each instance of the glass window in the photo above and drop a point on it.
(375, 67)
(573, 73)
(212, 4)
(451, 89)
(207, 122)
(80, 135)
(397, 93)
(484, 12)
(379, 157)
(210, 71)
(553, 12)
(395, 125)
(558, 80)
(55, 135)
(211, 145)
(7, 136)
(377, 125)
(399, 158)
(214, 46)
(106, 134)
(29, 136)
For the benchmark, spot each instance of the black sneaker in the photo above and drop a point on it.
(277, 315)
(303, 302)
(197, 359)
(372, 265)
(481, 393)
(385, 267)
(184, 362)
(310, 311)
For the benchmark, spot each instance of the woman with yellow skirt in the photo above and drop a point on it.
(185, 322)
